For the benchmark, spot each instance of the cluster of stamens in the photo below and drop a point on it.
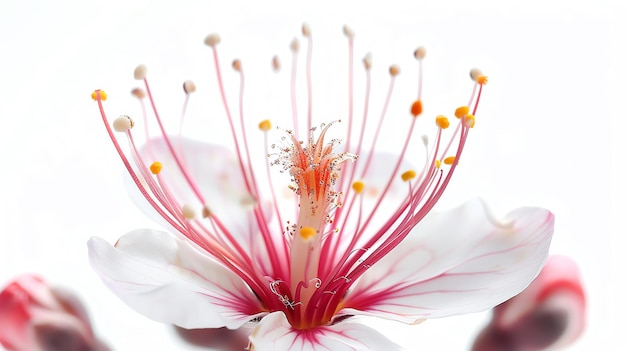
(332, 241)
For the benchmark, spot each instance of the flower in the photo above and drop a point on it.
(358, 241)
(37, 317)
(549, 314)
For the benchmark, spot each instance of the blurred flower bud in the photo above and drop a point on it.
(549, 314)
(37, 317)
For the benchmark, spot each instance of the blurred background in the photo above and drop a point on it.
(549, 130)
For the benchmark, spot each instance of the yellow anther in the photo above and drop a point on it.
(265, 125)
(358, 186)
(442, 122)
(438, 163)
(416, 108)
(449, 160)
(470, 121)
(101, 93)
(307, 232)
(482, 80)
(408, 175)
(156, 167)
(461, 111)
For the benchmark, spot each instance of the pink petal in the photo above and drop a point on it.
(550, 313)
(275, 333)
(456, 262)
(168, 280)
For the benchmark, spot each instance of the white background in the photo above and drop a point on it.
(547, 133)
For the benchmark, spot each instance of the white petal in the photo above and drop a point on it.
(456, 262)
(275, 333)
(168, 280)
(215, 171)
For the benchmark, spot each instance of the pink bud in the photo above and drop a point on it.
(37, 317)
(550, 313)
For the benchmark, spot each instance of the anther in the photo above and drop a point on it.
(140, 72)
(460, 112)
(425, 140)
(265, 125)
(307, 233)
(420, 53)
(294, 45)
(358, 186)
(275, 63)
(138, 93)
(123, 123)
(156, 167)
(188, 212)
(367, 61)
(189, 87)
(408, 175)
(212, 39)
(100, 93)
(478, 76)
(442, 122)
(416, 108)
(438, 164)
(206, 212)
(449, 160)
(348, 31)
(306, 29)
(470, 121)
(237, 65)
(394, 70)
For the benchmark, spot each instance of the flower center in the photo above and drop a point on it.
(314, 169)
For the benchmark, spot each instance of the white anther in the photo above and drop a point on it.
(140, 72)
(425, 140)
(188, 212)
(306, 30)
(348, 31)
(122, 124)
(212, 39)
(189, 87)
(475, 73)
(295, 45)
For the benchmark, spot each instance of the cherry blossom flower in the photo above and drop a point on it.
(35, 316)
(550, 314)
(357, 237)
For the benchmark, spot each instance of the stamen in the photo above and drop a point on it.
(123, 123)
(276, 63)
(367, 61)
(420, 53)
(206, 212)
(394, 70)
(358, 186)
(265, 125)
(294, 45)
(470, 121)
(307, 232)
(478, 76)
(348, 31)
(442, 122)
(416, 108)
(139, 93)
(156, 167)
(212, 39)
(140, 72)
(408, 175)
(449, 160)
(101, 93)
(460, 112)
(188, 212)
(188, 86)
(306, 30)
(237, 65)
